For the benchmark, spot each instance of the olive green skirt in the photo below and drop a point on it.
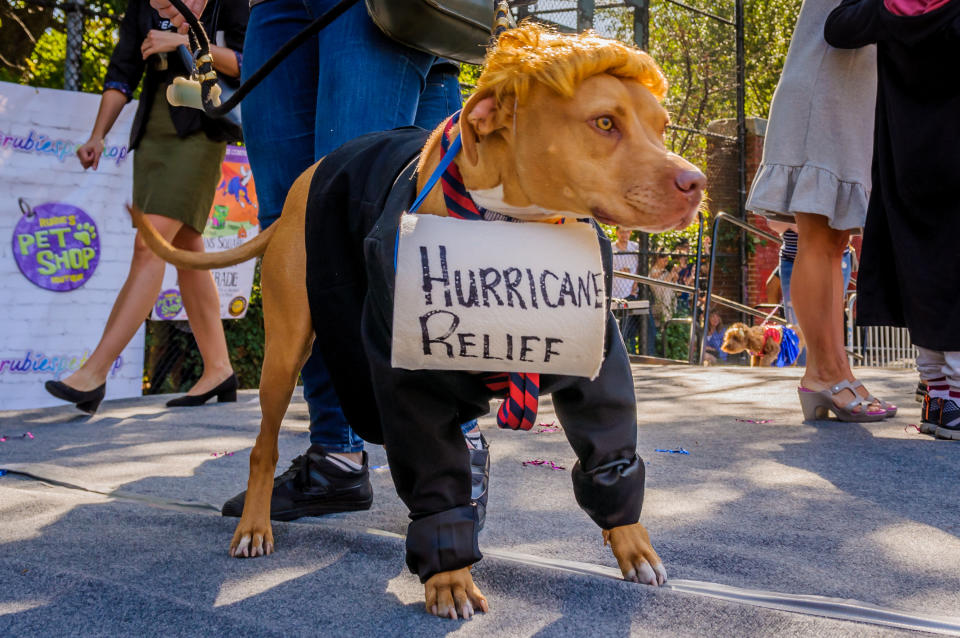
(175, 177)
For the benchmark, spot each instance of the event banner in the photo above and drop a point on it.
(498, 297)
(232, 221)
(65, 243)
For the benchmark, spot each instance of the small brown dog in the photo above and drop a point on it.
(767, 344)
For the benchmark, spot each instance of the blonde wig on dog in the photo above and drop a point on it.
(535, 53)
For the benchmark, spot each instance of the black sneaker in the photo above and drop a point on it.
(480, 479)
(313, 486)
(921, 392)
(949, 427)
(930, 414)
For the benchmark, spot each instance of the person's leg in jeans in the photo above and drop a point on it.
(366, 82)
(786, 273)
(279, 123)
(348, 80)
(441, 96)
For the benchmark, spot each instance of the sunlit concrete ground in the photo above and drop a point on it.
(123, 537)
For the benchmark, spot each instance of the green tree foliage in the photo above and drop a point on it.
(698, 56)
(33, 41)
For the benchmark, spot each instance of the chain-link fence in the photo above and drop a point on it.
(58, 44)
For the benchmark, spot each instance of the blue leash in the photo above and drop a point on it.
(434, 178)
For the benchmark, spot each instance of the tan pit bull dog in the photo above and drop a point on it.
(560, 126)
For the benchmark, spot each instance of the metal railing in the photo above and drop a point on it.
(878, 346)
(743, 225)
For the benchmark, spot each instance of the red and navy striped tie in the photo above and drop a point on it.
(519, 409)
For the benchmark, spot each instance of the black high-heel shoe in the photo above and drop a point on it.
(226, 392)
(87, 401)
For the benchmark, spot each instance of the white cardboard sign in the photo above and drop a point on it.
(498, 297)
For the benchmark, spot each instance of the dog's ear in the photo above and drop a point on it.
(481, 116)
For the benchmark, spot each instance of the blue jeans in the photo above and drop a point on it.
(348, 80)
(440, 97)
(786, 272)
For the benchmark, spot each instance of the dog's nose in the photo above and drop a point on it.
(690, 181)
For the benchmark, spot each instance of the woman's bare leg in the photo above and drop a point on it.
(137, 295)
(815, 289)
(202, 303)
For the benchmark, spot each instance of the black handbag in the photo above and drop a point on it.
(454, 29)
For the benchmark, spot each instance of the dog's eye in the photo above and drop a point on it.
(604, 123)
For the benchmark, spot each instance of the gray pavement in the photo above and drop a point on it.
(122, 536)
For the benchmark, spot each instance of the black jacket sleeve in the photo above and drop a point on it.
(127, 64)
(854, 24)
(232, 22)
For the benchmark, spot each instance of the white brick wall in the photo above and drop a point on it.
(61, 324)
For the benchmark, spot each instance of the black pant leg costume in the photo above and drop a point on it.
(420, 411)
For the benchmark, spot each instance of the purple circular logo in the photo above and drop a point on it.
(56, 246)
(169, 303)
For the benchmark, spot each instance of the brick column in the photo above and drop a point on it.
(722, 184)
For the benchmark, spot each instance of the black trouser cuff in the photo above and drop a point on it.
(443, 542)
(611, 494)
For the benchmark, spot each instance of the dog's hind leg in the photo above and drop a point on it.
(289, 337)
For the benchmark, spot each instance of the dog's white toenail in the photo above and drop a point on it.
(661, 573)
(646, 574)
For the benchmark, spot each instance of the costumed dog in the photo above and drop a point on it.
(560, 126)
(768, 344)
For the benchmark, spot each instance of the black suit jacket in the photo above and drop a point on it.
(127, 66)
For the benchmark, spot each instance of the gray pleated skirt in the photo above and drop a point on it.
(819, 144)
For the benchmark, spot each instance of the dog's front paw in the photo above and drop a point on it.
(635, 554)
(252, 539)
(453, 594)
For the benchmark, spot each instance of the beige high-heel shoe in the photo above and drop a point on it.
(817, 405)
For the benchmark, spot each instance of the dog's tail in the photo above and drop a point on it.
(195, 260)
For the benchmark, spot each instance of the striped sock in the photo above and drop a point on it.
(473, 439)
(938, 388)
(344, 463)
